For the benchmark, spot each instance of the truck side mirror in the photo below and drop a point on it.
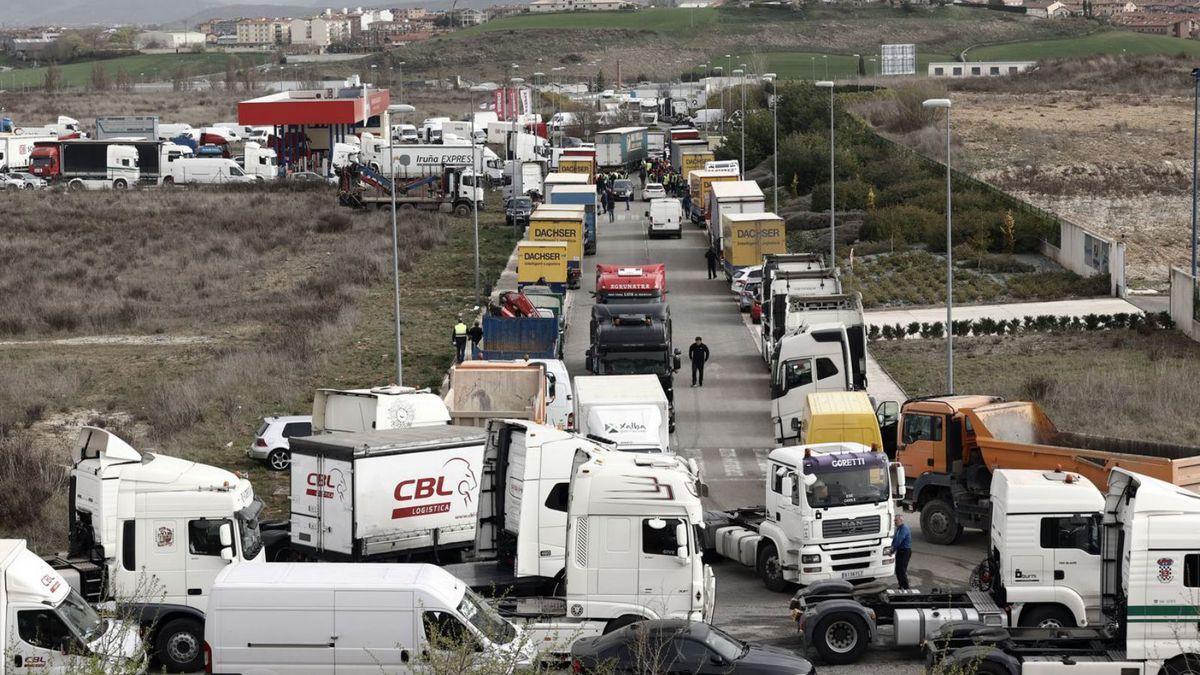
(681, 534)
(227, 554)
(897, 480)
(647, 214)
(226, 534)
(887, 411)
(551, 385)
(789, 485)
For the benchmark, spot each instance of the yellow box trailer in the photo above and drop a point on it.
(565, 223)
(542, 260)
(747, 237)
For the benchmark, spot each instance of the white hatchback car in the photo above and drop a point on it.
(740, 277)
(653, 191)
(271, 443)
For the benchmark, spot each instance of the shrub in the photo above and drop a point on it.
(891, 169)
(805, 157)
(905, 224)
(1037, 387)
(851, 195)
(905, 192)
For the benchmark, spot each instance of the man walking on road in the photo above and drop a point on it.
(698, 355)
(610, 203)
(902, 548)
(711, 256)
(476, 335)
(459, 337)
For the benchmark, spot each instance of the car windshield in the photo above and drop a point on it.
(486, 619)
(843, 479)
(263, 428)
(81, 618)
(522, 203)
(653, 186)
(248, 527)
(729, 648)
(623, 185)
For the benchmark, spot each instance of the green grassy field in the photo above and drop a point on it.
(659, 19)
(142, 67)
(1108, 42)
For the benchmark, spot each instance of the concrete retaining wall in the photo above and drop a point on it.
(1183, 299)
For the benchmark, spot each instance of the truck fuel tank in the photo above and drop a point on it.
(914, 625)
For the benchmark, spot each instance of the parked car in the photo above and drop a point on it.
(653, 191)
(272, 444)
(10, 182)
(623, 188)
(678, 646)
(517, 209)
(744, 275)
(748, 295)
(306, 177)
(755, 311)
(31, 181)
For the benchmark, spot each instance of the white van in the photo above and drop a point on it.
(666, 218)
(206, 171)
(352, 618)
(387, 407)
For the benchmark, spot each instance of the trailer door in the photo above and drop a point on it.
(322, 503)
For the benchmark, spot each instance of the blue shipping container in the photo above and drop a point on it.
(516, 338)
(577, 194)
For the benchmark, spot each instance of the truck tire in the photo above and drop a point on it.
(179, 645)
(1047, 616)
(841, 638)
(770, 570)
(279, 459)
(939, 523)
(462, 210)
(168, 181)
(1184, 664)
(76, 185)
(120, 184)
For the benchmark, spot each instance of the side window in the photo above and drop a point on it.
(42, 628)
(443, 630)
(691, 653)
(1191, 570)
(557, 499)
(826, 368)
(1077, 532)
(797, 373)
(296, 429)
(660, 540)
(204, 537)
(922, 428)
(777, 474)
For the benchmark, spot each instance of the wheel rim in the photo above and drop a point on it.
(841, 637)
(938, 523)
(1050, 623)
(279, 461)
(772, 567)
(183, 647)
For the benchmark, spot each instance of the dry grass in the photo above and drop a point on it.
(1096, 75)
(194, 107)
(1117, 383)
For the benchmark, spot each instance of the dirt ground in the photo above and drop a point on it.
(1117, 163)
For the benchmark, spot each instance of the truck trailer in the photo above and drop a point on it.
(89, 165)
(747, 237)
(16, 149)
(629, 411)
(621, 148)
(578, 194)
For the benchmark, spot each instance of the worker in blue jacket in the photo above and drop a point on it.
(902, 549)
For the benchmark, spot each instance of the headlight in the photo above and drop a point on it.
(887, 550)
(811, 558)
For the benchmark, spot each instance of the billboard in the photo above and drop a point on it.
(898, 60)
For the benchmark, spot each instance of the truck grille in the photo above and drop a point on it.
(851, 566)
(850, 527)
(851, 555)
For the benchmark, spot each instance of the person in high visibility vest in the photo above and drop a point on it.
(460, 339)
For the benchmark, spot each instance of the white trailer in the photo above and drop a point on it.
(386, 494)
(47, 627)
(731, 196)
(629, 411)
(390, 407)
(16, 148)
(417, 160)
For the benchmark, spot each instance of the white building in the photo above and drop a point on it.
(313, 32)
(168, 39)
(576, 5)
(264, 31)
(979, 68)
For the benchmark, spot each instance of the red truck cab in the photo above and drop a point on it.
(631, 283)
(44, 160)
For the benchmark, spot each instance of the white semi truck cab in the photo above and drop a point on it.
(827, 515)
(47, 627)
(151, 532)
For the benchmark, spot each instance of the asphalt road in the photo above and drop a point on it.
(726, 426)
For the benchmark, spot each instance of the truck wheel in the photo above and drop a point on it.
(1047, 616)
(841, 638)
(939, 523)
(179, 646)
(75, 185)
(279, 459)
(168, 181)
(462, 210)
(120, 184)
(770, 569)
(1184, 664)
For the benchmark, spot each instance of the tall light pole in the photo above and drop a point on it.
(537, 96)
(825, 58)
(476, 169)
(401, 66)
(945, 103)
(770, 77)
(1195, 148)
(832, 179)
(741, 86)
(400, 107)
(720, 71)
(728, 69)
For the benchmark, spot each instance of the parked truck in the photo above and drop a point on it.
(46, 626)
(773, 265)
(577, 163)
(150, 533)
(629, 411)
(388, 407)
(410, 160)
(636, 284)
(827, 514)
(689, 155)
(635, 339)
(565, 223)
(453, 191)
(577, 194)
(154, 158)
(951, 445)
(633, 522)
(825, 351)
(784, 285)
(1042, 572)
(508, 338)
(1147, 579)
(747, 237)
(524, 178)
(16, 150)
(483, 390)
(91, 165)
(699, 182)
(542, 262)
(726, 197)
(621, 148)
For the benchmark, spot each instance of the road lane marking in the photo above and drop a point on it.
(730, 462)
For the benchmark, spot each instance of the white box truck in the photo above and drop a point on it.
(15, 149)
(388, 407)
(47, 627)
(385, 494)
(731, 196)
(629, 411)
(355, 618)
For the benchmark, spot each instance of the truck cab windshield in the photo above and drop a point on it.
(844, 480)
(485, 619)
(81, 618)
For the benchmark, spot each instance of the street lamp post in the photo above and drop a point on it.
(832, 179)
(770, 77)
(741, 85)
(400, 107)
(720, 71)
(728, 69)
(945, 103)
(1195, 148)
(476, 169)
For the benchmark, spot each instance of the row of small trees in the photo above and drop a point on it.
(237, 74)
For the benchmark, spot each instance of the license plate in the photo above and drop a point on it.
(854, 574)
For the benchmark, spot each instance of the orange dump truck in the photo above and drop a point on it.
(950, 445)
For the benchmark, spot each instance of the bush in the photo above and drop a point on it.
(851, 195)
(804, 160)
(905, 192)
(892, 169)
(904, 224)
